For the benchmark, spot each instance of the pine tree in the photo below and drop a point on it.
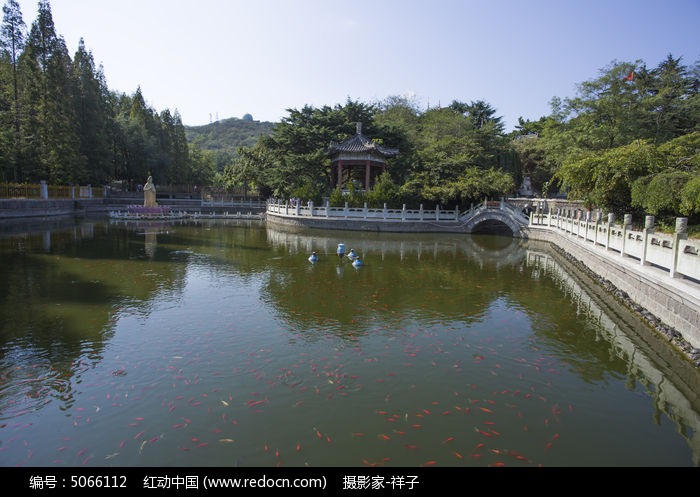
(12, 40)
(93, 117)
(50, 140)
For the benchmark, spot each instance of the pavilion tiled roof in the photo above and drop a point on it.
(361, 144)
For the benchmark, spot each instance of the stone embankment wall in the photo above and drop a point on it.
(30, 208)
(17, 209)
(670, 304)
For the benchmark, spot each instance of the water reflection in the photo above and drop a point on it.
(649, 360)
(150, 321)
(324, 307)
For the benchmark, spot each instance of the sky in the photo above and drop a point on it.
(218, 59)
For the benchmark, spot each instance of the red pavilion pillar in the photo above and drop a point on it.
(340, 174)
(367, 169)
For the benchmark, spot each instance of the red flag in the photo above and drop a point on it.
(630, 76)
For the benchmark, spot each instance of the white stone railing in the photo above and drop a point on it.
(674, 253)
(227, 202)
(283, 208)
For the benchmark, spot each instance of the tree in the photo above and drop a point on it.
(667, 114)
(93, 114)
(531, 153)
(249, 169)
(398, 118)
(179, 153)
(50, 141)
(604, 179)
(606, 111)
(481, 114)
(12, 42)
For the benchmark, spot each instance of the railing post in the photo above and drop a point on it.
(311, 208)
(585, 217)
(364, 211)
(328, 208)
(44, 190)
(403, 212)
(626, 226)
(596, 221)
(611, 223)
(681, 233)
(437, 212)
(421, 212)
(648, 229)
(578, 223)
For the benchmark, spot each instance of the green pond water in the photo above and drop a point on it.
(218, 344)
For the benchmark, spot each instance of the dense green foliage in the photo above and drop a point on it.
(451, 156)
(628, 142)
(60, 123)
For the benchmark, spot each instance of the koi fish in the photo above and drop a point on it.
(253, 403)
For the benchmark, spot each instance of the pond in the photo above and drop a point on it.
(219, 344)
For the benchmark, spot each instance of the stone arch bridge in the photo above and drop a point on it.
(500, 217)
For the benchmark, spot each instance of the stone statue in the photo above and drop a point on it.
(149, 193)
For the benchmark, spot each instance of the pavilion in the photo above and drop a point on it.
(358, 160)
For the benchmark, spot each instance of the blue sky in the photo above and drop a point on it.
(212, 59)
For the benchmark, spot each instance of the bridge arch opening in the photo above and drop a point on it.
(492, 227)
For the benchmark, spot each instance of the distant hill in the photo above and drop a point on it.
(228, 134)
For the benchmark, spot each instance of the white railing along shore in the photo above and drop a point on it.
(224, 202)
(674, 253)
(284, 208)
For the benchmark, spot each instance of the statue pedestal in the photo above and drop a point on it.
(155, 212)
